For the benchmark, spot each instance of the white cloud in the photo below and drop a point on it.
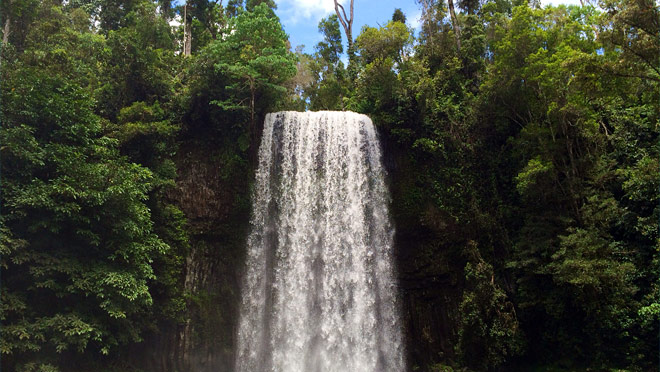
(415, 20)
(304, 10)
(176, 21)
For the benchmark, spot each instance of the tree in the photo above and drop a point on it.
(379, 44)
(79, 245)
(300, 85)
(250, 5)
(203, 22)
(571, 243)
(454, 22)
(329, 86)
(489, 333)
(437, 44)
(187, 31)
(113, 12)
(383, 52)
(398, 16)
(15, 18)
(634, 27)
(90, 248)
(330, 47)
(139, 62)
(255, 59)
(6, 30)
(234, 7)
(347, 23)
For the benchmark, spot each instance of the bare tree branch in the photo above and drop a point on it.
(346, 22)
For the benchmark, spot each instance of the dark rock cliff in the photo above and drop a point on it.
(212, 190)
(214, 195)
(430, 271)
(215, 201)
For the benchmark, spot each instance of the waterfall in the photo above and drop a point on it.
(319, 293)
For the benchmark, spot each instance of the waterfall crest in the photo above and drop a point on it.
(319, 293)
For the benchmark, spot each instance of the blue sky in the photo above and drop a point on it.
(301, 17)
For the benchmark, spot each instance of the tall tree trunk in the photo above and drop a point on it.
(455, 25)
(427, 19)
(252, 99)
(347, 23)
(187, 32)
(6, 30)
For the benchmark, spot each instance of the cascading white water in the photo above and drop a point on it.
(319, 293)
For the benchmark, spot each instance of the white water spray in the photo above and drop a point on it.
(319, 293)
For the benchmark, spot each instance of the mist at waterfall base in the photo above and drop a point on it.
(319, 293)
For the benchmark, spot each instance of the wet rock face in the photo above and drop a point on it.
(217, 202)
(212, 202)
(214, 198)
(429, 265)
(199, 191)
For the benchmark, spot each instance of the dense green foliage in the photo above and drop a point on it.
(522, 145)
(93, 245)
(526, 156)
